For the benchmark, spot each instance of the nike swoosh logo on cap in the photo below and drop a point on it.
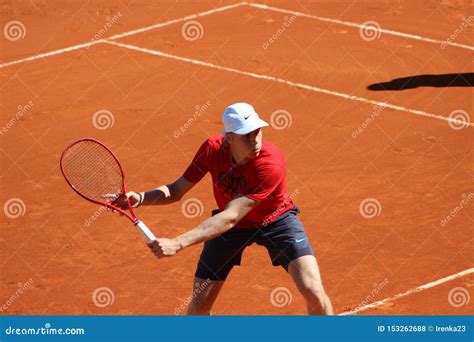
(245, 118)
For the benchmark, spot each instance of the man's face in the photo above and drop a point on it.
(248, 145)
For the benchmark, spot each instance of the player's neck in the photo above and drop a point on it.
(236, 158)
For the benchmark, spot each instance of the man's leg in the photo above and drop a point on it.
(217, 259)
(305, 273)
(204, 295)
(290, 248)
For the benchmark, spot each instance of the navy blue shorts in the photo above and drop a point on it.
(285, 240)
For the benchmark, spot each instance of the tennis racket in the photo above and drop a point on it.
(93, 172)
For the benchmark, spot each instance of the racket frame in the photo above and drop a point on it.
(130, 215)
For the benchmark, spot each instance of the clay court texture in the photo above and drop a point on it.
(371, 102)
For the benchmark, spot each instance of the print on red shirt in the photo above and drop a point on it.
(262, 179)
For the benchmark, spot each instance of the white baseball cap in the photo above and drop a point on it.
(241, 118)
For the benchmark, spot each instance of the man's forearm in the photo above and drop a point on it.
(158, 196)
(207, 230)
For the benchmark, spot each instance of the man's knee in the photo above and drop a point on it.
(204, 295)
(312, 290)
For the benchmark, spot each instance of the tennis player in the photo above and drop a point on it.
(248, 178)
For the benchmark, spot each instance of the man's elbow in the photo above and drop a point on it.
(172, 193)
(176, 197)
(236, 211)
(231, 218)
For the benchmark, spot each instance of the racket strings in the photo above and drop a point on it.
(92, 170)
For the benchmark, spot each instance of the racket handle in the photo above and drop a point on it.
(147, 233)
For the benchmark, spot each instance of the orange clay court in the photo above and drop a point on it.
(381, 168)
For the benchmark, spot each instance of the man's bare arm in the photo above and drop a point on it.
(167, 194)
(164, 194)
(210, 228)
(220, 223)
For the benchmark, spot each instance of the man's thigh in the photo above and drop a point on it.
(286, 240)
(222, 253)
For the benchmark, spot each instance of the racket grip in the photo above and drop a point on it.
(147, 233)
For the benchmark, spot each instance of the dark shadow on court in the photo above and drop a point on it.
(438, 81)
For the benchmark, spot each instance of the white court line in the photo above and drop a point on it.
(348, 23)
(224, 8)
(293, 84)
(52, 53)
(409, 292)
(125, 34)
(174, 21)
(220, 9)
(279, 80)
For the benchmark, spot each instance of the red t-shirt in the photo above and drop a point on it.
(262, 179)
